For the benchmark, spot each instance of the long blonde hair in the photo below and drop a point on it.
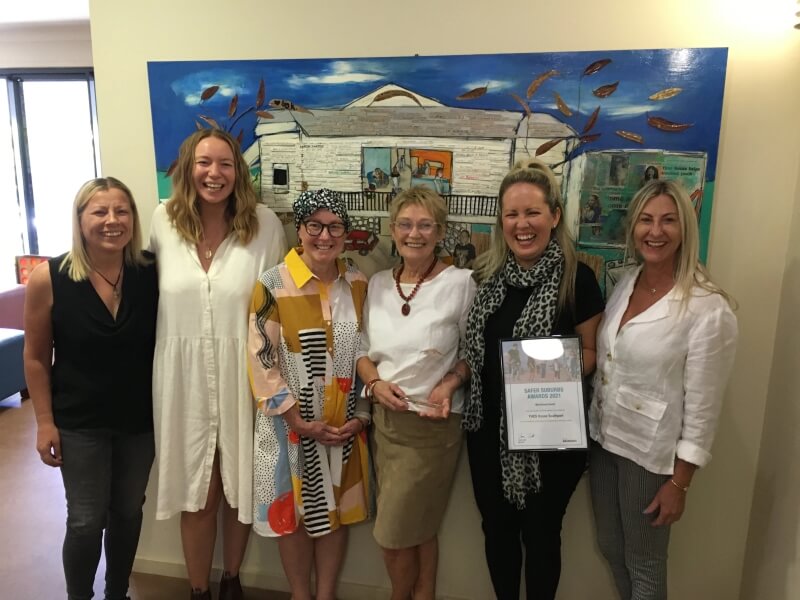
(240, 211)
(689, 271)
(76, 263)
(535, 173)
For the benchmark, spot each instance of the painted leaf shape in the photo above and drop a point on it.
(262, 92)
(210, 121)
(474, 93)
(199, 125)
(395, 94)
(232, 106)
(547, 146)
(592, 137)
(539, 81)
(596, 66)
(666, 125)
(606, 90)
(562, 106)
(209, 92)
(264, 114)
(666, 93)
(240, 137)
(630, 136)
(298, 108)
(522, 103)
(171, 168)
(591, 121)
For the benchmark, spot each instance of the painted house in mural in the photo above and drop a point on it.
(392, 139)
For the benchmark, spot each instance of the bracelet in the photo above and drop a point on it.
(461, 379)
(371, 384)
(680, 487)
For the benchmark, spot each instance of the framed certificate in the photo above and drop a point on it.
(543, 393)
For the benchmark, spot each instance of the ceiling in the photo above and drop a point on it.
(44, 11)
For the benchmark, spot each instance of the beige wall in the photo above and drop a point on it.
(751, 230)
(45, 45)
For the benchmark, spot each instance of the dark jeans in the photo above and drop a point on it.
(105, 475)
(537, 526)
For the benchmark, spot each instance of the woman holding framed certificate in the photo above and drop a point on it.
(411, 351)
(530, 284)
(665, 350)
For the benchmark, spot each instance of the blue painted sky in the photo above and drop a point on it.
(175, 89)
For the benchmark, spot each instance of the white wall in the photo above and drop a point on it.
(755, 194)
(45, 45)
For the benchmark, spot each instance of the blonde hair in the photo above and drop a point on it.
(689, 271)
(420, 196)
(240, 211)
(76, 263)
(536, 173)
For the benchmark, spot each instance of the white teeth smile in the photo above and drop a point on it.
(656, 244)
(414, 245)
(214, 186)
(112, 233)
(525, 238)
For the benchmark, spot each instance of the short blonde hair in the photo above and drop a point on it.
(420, 196)
(76, 263)
(689, 271)
(182, 206)
(533, 172)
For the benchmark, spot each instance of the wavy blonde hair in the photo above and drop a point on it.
(533, 172)
(689, 271)
(240, 211)
(76, 263)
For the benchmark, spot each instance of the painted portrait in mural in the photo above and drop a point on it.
(371, 127)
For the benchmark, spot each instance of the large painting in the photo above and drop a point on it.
(369, 127)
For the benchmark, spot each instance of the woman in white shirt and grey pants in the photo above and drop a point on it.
(665, 349)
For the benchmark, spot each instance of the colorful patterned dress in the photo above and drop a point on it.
(304, 336)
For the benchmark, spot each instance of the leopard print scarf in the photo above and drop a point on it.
(520, 470)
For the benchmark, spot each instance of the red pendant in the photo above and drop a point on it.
(406, 309)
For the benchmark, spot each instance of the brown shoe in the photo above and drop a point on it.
(230, 588)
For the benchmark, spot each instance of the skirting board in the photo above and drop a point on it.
(347, 589)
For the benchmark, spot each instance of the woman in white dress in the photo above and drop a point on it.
(410, 360)
(211, 241)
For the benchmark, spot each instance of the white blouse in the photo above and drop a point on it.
(661, 377)
(416, 351)
(201, 391)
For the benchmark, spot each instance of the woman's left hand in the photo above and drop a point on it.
(353, 427)
(440, 397)
(668, 504)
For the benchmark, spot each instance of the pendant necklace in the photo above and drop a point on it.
(406, 308)
(115, 284)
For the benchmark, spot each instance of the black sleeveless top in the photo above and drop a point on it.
(103, 368)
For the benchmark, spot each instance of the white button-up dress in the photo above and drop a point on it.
(201, 391)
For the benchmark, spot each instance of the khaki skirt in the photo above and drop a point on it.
(415, 460)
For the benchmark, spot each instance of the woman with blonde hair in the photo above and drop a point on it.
(665, 350)
(411, 361)
(212, 240)
(530, 284)
(89, 336)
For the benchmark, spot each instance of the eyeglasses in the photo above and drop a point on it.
(424, 227)
(314, 228)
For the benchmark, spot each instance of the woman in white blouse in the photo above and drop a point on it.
(414, 321)
(665, 349)
(211, 242)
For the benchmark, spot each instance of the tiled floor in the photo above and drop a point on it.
(32, 516)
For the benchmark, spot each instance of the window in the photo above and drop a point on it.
(48, 149)
(280, 178)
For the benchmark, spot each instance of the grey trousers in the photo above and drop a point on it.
(635, 550)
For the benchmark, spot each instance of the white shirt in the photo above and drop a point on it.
(660, 378)
(416, 351)
(201, 391)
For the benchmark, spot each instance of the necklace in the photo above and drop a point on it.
(115, 284)
(406, 308)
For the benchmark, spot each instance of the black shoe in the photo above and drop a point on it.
(230, 588)
(198, 594)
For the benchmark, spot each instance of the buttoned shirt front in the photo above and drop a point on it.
(661, 377)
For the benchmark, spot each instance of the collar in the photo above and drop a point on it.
(300, 272)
